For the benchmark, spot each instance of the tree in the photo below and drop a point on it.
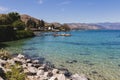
(31, 23)
(4, 19)
(14, 16)
(42, 24)
(19, 25)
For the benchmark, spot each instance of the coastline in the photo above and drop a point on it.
(34, 69)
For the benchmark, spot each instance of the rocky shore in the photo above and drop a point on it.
(20, 67)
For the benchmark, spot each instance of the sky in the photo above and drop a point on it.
(66, 11)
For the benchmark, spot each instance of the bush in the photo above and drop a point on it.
(6, 33)
(24, 34)
(16, 73)
(19, 25)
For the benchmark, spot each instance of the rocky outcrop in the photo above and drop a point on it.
(37, 71)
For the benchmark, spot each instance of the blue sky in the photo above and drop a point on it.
(66, 11)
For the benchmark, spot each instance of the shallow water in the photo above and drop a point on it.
(97, 52)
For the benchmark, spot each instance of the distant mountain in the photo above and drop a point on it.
(111, 26)
(82, 26)
(95, 26)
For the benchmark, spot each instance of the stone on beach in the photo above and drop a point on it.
(20, 56)
(61, 77)
(40, 72)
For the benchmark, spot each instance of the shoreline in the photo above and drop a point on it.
(35, 69)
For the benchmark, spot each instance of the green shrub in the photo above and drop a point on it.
(6, 33)
(19, 25)
(16, 73)
(24, 34)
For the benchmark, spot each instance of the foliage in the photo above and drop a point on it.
(31, 23)
(19, 25)
(16, 73)
(24, 34)
(4, 19)
(64, 27)
(14, 16)
(6, 33)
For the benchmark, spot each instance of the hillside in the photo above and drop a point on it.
(25, 18)
(82, 26)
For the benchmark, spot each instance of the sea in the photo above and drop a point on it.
(93, 53)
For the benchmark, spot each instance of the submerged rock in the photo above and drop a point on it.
(78, 77)
(72, 61)
(118, 65)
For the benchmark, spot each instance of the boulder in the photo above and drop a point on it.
(2, 62)
(32, 70)
(78, 77)
(28, 61)
(48, 74)
(2, 74)
(1, 78)
(35, 61)
(24, 66)
(40, 72)
(55, 71)
(20, 56)
(61, 77)
(53, 78)
(29, 64)
(11, 62)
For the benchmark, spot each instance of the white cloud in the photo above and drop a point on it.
(3, 9)
(40, 1)
(65, 2)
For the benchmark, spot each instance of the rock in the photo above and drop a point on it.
(65, 72)
(55, 71)
(2, 74)
(35, 61)
(72, 61)
(24, 66)
(32, 71)
(36, 65)
(61, 77)
(19, 61)
(118, 65)
(29, 64)
(28, 60)
(53, 78)
(1, 78)
(94, 72)
(11, 62)
(48, 74)
(77, 77)
(40, 72)
(41, 68)
(20, 56)
(2, 62)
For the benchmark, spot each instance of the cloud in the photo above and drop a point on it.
(3, 9)
(65, 2)
(40, 1)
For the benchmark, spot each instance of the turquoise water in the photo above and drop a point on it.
(97, 52)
